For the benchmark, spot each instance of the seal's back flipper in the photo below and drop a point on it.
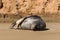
(12, 25)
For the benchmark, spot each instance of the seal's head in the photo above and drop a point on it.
(39, 27)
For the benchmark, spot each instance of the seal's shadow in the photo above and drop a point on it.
(42, 29)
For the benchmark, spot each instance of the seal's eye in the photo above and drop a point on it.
(41, 25)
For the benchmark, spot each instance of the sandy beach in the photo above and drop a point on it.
(11, 34)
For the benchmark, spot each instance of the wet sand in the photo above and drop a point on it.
(11, 34)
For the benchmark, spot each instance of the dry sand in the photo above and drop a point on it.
(10, 34)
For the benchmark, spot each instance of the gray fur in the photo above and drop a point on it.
(32, 22)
